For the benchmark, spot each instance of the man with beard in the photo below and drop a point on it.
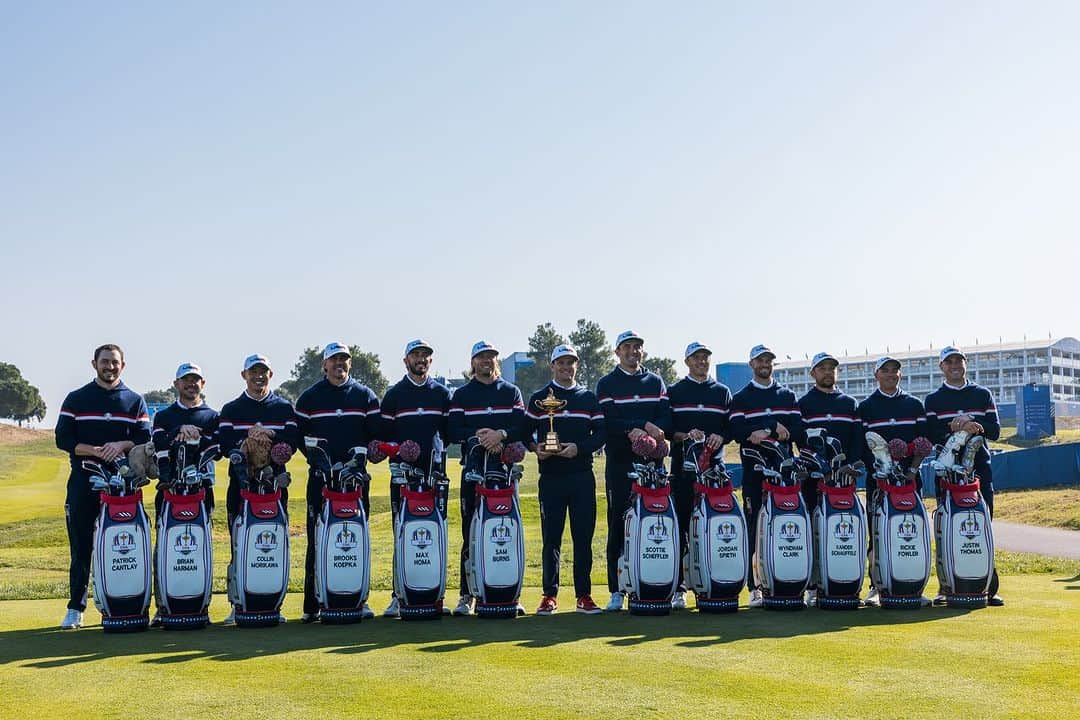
(825, 407)
(102, 420)
(490, 409)
(345, 413)
(762, 410)
(567, 484)
(635, 403)
(891, 413)
(699, 408)
(257, 412)
(962, 405)
(189, 418)
(414, 409)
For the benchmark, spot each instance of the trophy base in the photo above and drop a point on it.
(551, 443)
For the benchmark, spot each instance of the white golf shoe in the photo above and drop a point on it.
(392, 610)
(616, 602)
(72, 620)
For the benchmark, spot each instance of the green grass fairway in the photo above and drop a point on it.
(1047, 507)
(1017, 661)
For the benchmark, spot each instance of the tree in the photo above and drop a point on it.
(596, 356)
(664, 367)
(165, 396)
(533, 377)
(308, 371)
(19, 400)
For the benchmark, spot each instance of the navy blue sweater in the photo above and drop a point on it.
(497, 406)
(897, 416)
(580, 422)
(628, 402)
(346, 416)
(94, 415)
(947, 402)
(704, 406)
(761, 408)
(415, 412)
(240, 415)
(838, 415)
(168, 421)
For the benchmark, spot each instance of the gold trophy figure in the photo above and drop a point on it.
(551, 405)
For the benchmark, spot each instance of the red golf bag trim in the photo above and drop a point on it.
(656, 500)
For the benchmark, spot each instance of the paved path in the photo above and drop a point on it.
(1042, 541)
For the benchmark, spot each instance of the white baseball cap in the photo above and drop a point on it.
(564, 351)
(256, 359)
(483, 346)
(759, 350)
(950, 350)
(335, 348)
(820, 358)
(416, 345)
(188, 369)
(627, 335)
(886, 359)
(695, 347)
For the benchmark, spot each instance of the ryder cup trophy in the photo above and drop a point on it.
(551, 405)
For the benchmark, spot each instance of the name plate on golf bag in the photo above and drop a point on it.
(121, 561)
(419, 555)
(965, 545)
(900, 564)
(649, 565)
(716, 560)
(840, 547)
(783, 560)
(496, 564)
(261, 571)
(342, 556)
(184, 561)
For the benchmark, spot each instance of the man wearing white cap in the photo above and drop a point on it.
(962, 405)
(258, 411)
(414, 409)
(345, 413)
(891, 413)
(699, 408)
(567, 483)
(762, 410)
(635, 403)
(492, 410)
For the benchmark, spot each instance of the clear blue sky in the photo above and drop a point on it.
(199, 181)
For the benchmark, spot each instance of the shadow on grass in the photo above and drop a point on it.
(48, 647)
(1073, 579)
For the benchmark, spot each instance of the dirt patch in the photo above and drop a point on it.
(14, 435)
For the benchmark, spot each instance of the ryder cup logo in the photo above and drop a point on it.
(969, 527)
(123, 543)
(845, 530)
(789, 531)
(658, 532)
(346, 539)
(421, 538)
(501, 534)
(907, 530)
(185, 543)
(726, 531)
(266, 541)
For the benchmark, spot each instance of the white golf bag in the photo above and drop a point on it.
(420, 538)
(783, 550)
(495, 569)
(965, 540)
(649, 565)
(900, 562)
(121, 557)
(839, 522)
(184, 561)
(342, 535)
(259, 574)
(717, 558)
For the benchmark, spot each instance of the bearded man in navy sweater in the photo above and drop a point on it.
(962, 405)
(635, 403)
(345, 413)
(414, 409)
(102, 420)
(699, 410)
(490, 409)
(762, 410)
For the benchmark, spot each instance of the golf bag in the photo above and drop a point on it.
(783, 552)
(495, 569)
(184, 560)
(649, 564)
(420, 538)
(839, 522)
(121, 558)
(900, 562)
(342, 535)
(965, 540)
(259, 574)
(716, 559)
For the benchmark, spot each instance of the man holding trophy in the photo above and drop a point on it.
(565, 427)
